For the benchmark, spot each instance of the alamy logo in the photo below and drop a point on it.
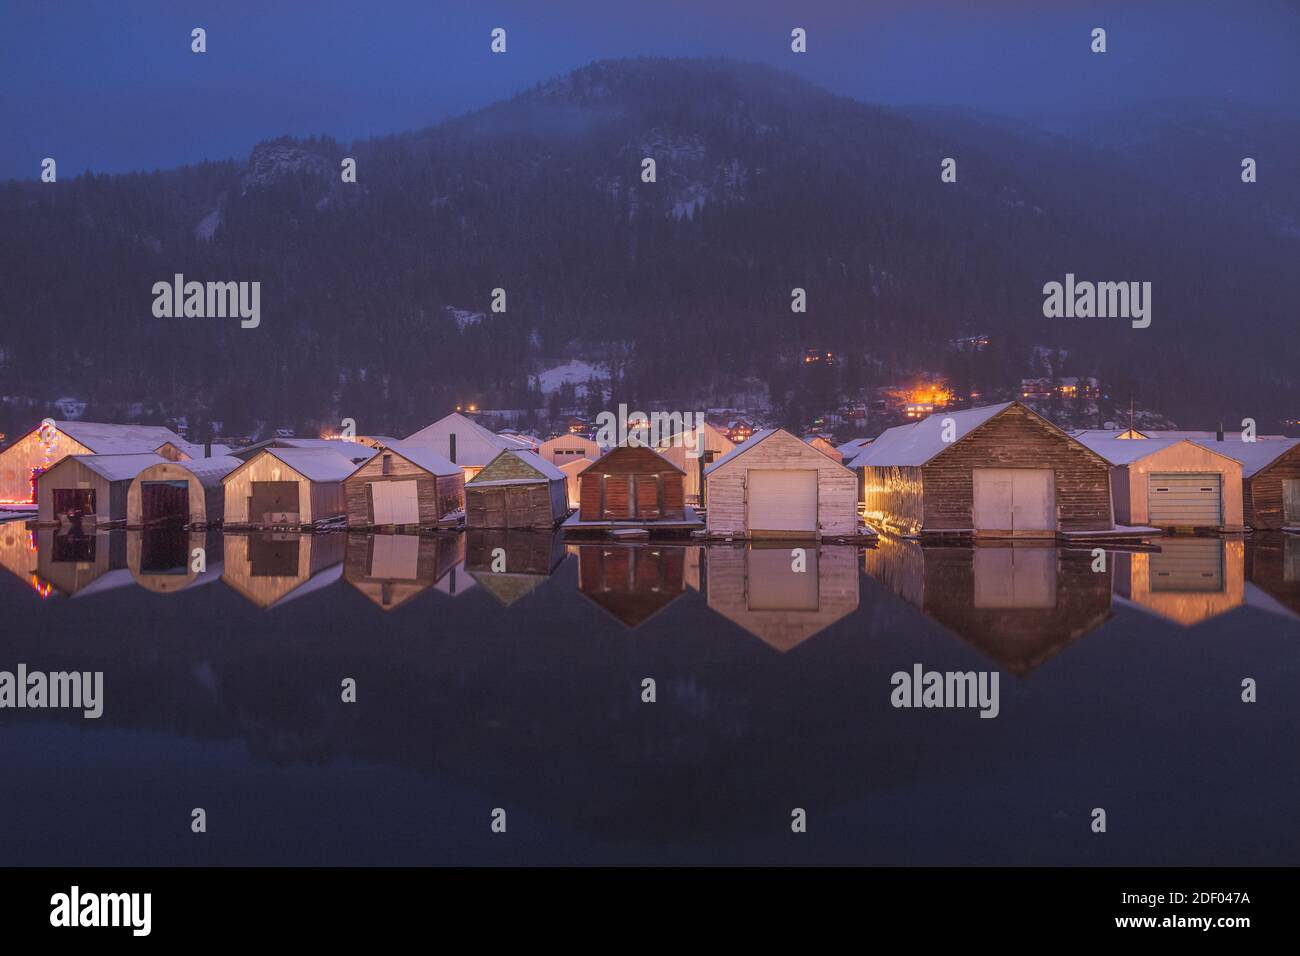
(208, 300)
(75, 908)
(1102, 300)
(77, 690)
(922, 688)
(652, 431)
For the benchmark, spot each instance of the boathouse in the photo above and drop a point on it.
(48, 443)
(997, 471)
(778, 484)
(516, 489)
(89, 488)
(186, 493)
(1170, 483)
(288, 487)
(632, 484)
(405, 486)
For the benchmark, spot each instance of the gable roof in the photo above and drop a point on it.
(314, 464)
(356, 451)
(1125, 451)
(1254, 456)
(757, 438)
(544, 470)
(421, 457)
(853, 446)
(466, 425)
(197, 449)
(210, 471)
(916, 443)
(104, 438)
(620, 448)
(119, 467)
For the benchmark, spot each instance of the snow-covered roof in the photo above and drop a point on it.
(1254, 456)
(197, 449)
(755, 439)
(425, 458)
(119, 467)
(210, 471)
(356, 451)
(740, 449)
(853, 446)
(1124, 451)
(1228, 435)
(107, 439)
(917, 443)
(315, 464)
(541, 465)
(460, 423)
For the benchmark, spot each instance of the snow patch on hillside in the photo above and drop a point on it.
(574, 371)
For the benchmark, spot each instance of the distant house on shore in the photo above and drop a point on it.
(516, 489)
(573, 469)
(997, 471)
(288, 487)
(405, 485)
(45, 445)
(463, 441)
(89, 489)
(778, 484)
(566, 448)
(693, 451)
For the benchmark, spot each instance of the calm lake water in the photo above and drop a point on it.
(520, 688)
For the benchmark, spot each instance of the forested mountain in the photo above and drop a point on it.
(765, 183)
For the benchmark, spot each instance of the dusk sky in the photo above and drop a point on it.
(114, 87)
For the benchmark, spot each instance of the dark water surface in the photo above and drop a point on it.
(480, 689)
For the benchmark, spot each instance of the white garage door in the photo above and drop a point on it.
(395, 502)
(783, 501)
(1193, 500)
(1014, 500)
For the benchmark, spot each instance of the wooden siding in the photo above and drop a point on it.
(27, 453)
(1262, 493)
(837, 512)
(1016, 438)
(437, 497)
(536, 505)
(317, 500)
(207, 503)
(605, 489)
(110, 497)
